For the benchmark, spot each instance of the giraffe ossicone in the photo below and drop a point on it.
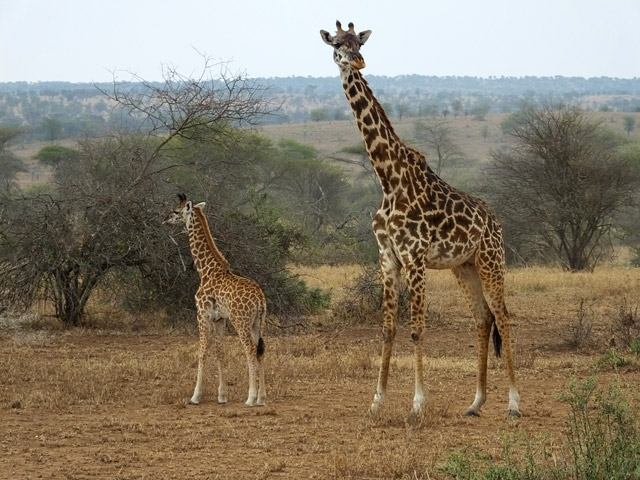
(424, 223)
(223, 296)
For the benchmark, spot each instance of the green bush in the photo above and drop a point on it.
(602, 443)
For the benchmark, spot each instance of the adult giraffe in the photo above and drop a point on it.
(223, 295)
(424, 223)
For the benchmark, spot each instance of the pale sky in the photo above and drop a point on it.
(87, 40)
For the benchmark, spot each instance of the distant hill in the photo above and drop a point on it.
(463, 85)
(81, 107)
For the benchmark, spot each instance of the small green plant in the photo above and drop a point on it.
(311, 300)
(611, 360)
(602, 443)
(463, 465)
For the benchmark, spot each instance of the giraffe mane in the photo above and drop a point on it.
(224, 263)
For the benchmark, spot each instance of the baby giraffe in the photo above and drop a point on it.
(223, 295)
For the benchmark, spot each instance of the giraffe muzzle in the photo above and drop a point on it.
(358, 63)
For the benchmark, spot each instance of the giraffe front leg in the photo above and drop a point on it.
(391, 279)
(388, 335)
(418, 396)
(416, 281)
(203, 343)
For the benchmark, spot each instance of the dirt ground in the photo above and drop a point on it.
(89, 405)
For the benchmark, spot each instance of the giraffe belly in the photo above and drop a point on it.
(218, 311)
(436, 256)
(411, 245)
(438, 262)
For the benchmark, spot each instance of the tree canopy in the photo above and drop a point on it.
(561, 185)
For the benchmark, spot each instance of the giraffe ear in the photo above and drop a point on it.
(364, 36)
(188, 206)
(201, 205)
(326, 36)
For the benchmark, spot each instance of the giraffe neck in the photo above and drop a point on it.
(388, 154)
(206, 256)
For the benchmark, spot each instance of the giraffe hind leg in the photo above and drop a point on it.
(471, 286)
(259, 354)
(493, 283)
(219, 352)
(246, 332)
(262, 396)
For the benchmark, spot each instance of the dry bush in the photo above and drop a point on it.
(579, 332)
(363, 299)
(626, 324)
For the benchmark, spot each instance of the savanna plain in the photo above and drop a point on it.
(110, 400)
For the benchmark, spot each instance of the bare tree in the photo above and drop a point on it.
(102, 212)
(438, 136)
(560, 186)
(186, 108)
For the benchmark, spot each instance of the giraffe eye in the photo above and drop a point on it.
(337, 45)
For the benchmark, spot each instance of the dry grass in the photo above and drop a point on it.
(111, 403)
(333, 279)
(330, 137)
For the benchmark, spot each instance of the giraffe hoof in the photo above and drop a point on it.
(377, 401)
(471, 413)
(513, 414)
(193, 402)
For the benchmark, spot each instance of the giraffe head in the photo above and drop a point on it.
(346, 46)
(183, 212)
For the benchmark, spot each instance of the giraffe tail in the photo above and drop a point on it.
(497, 339)
(262, 314)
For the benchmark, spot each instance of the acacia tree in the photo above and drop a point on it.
(560, 186)
(103, 210)
(438, 137)
(10, 164)
(629, 124)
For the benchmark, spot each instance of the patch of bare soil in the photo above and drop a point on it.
(115, 406)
